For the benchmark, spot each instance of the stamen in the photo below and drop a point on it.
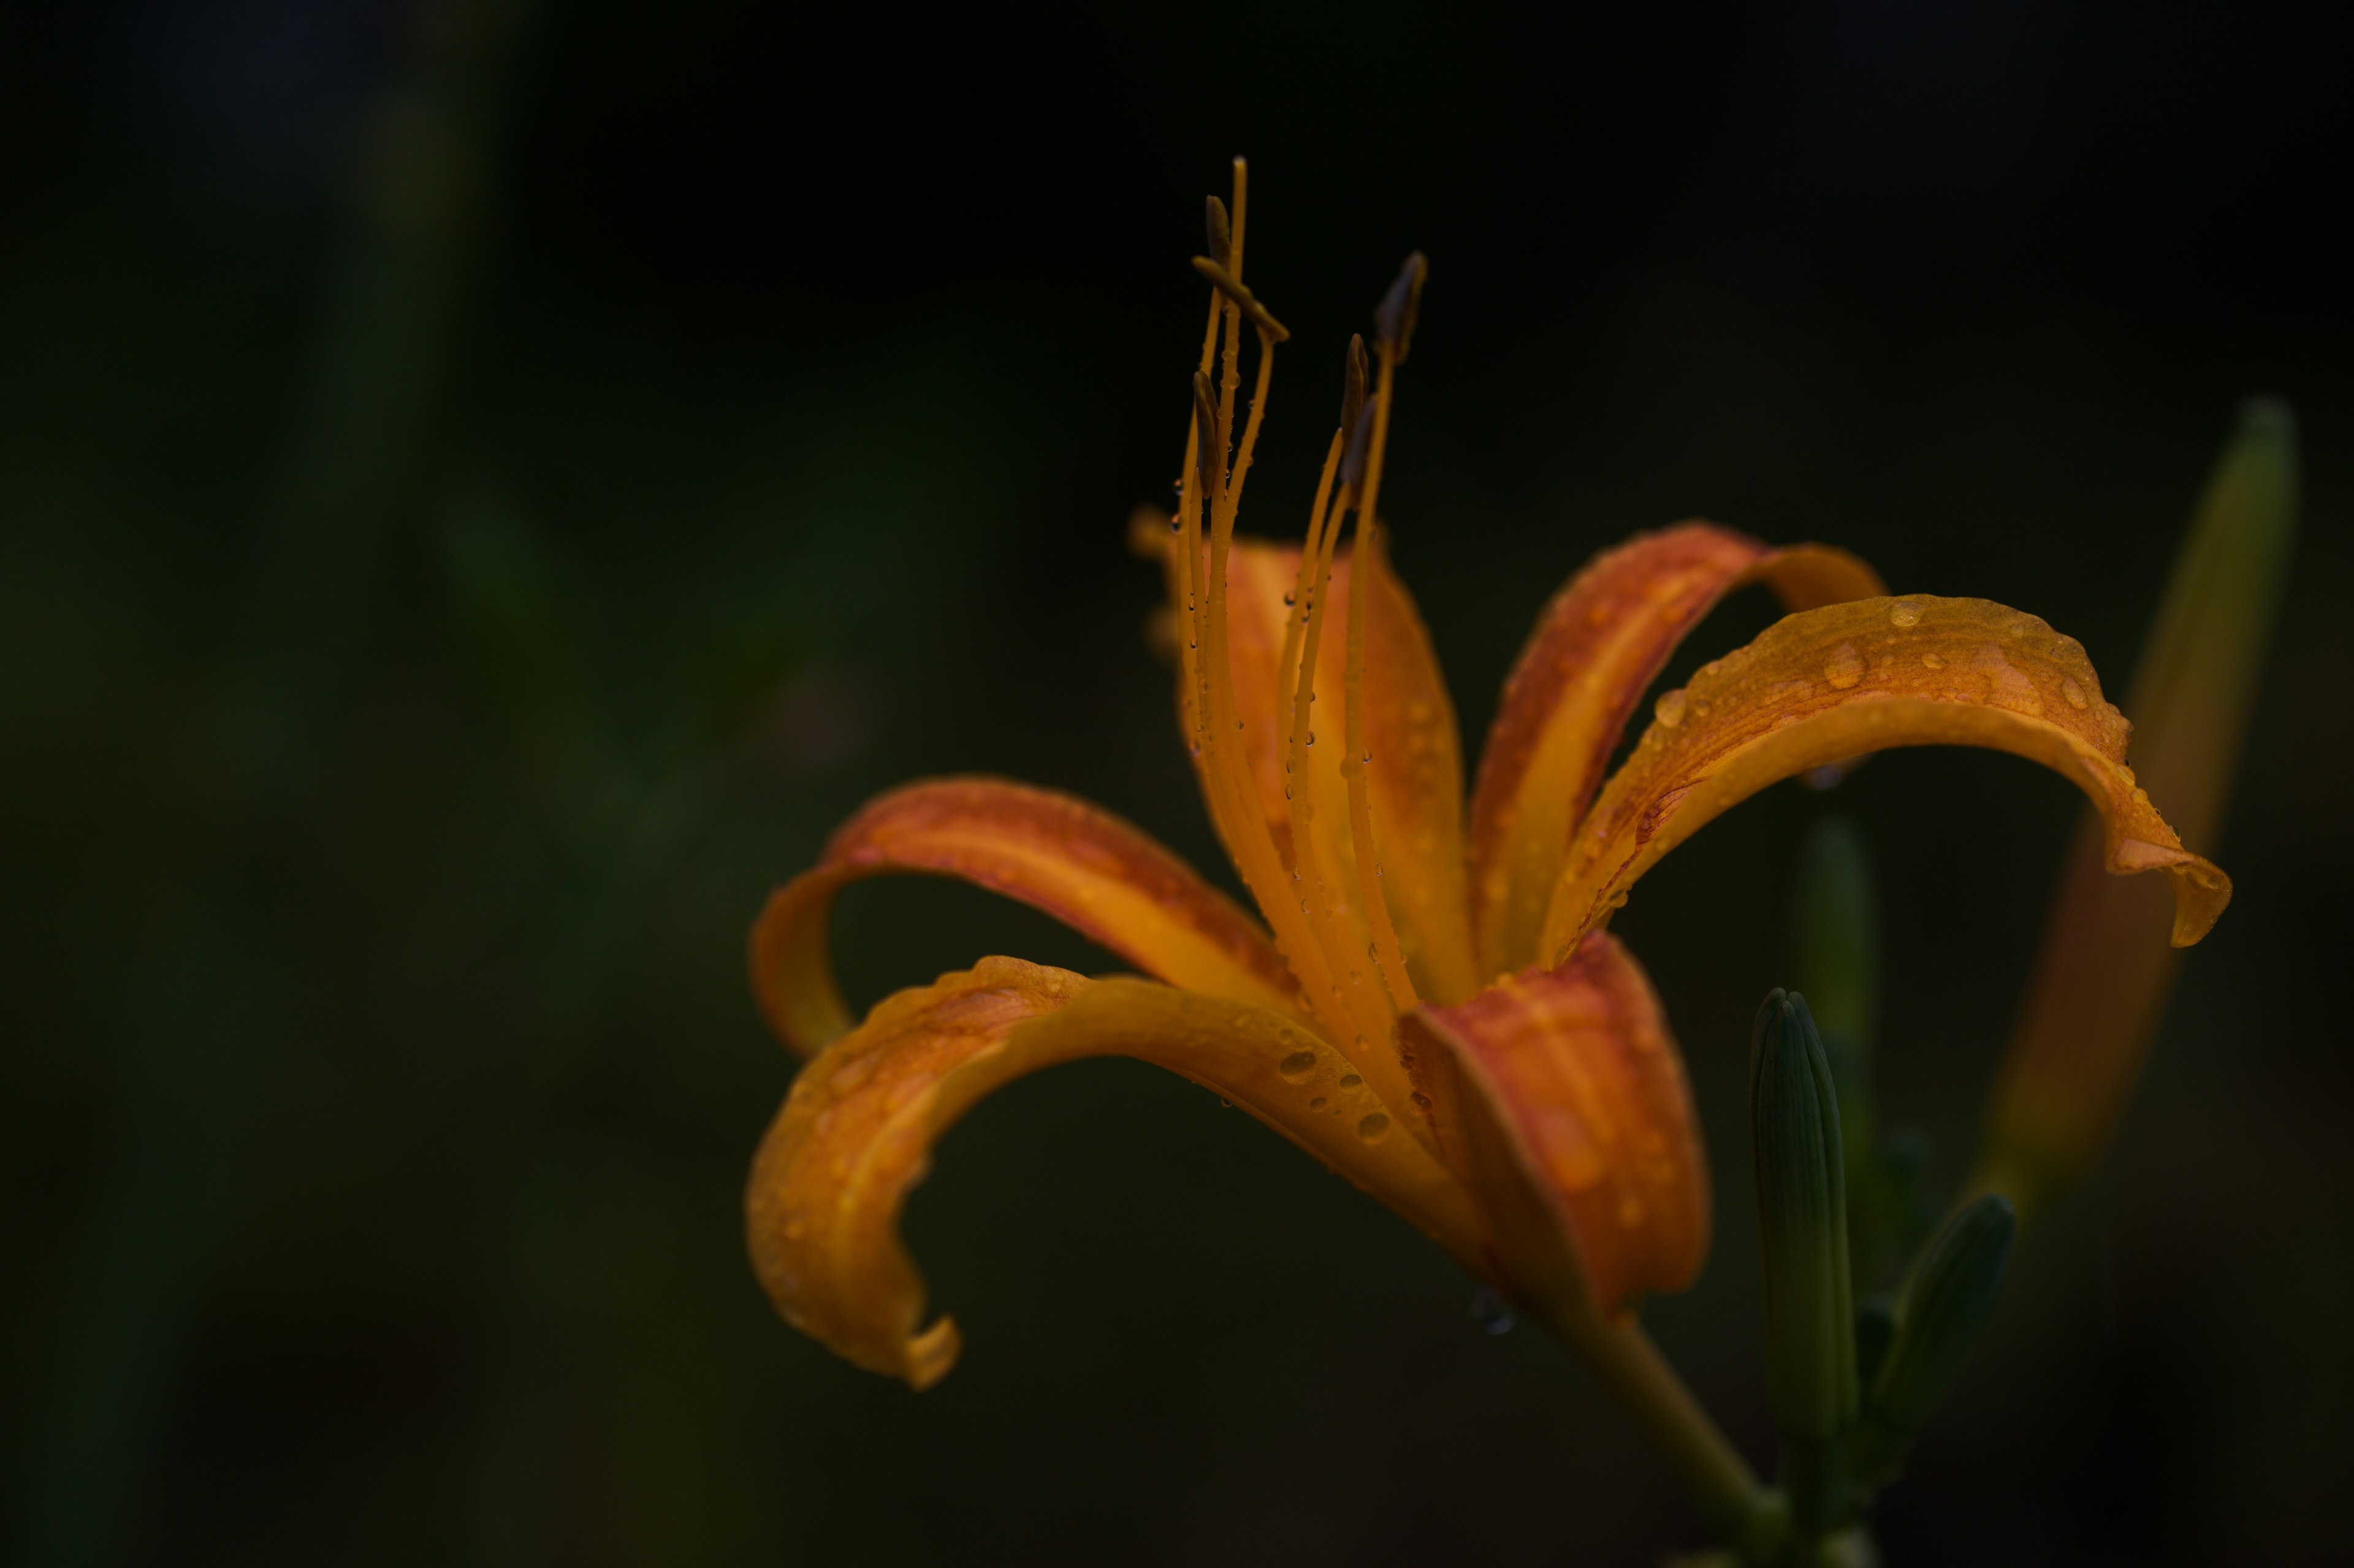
(1205, 427)
(1222, 238)
(1353, 385)
(1223, 765)
(1315, 556)
(1227, 284)
(1394, 323)
(1393, 318)
(1353, 764)
(1303, 587)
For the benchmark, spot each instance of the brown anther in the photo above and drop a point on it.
(1395, 318)
(1352, 464)
(1206, 459)
(1226, 285)
(1222, 236)
(1353, 384)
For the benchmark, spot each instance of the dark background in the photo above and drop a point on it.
(483, 488)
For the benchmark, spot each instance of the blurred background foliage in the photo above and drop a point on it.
(484, 487)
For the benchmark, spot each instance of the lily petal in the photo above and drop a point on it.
(1598, 646)
(1416, 772)
(855, 1134)
(1849, 679)
(2102, 983)
(1560, 1096)
(1087, 868)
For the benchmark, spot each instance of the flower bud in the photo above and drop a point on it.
(1802, 1215)
(1944, 1311)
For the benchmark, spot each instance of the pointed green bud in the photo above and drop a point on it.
(1944, 1311)
(1835, 928)
(1802, 1215)
(2105, 972)
(1837, 932)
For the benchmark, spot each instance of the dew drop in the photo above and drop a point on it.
(1904, 612)
(1350, 1080)
(1296, 1065)
(1844, 668)
(1375, 1128)
(1934, 662)
(2141, 796)
(1669, 709)
(1488, 1310)
(1422, 1099)
(2071, 691)
(1290, 599)
(1319, 1102)
(1311, 738)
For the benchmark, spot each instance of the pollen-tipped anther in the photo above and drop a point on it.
(1360, 440)
(1395, 319)
(1206, 430)
(1221, 235)
(1353, 385)
(1227, 285)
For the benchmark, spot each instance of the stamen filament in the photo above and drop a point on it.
(1354, 762)
(1231, 792)
(1303, 584)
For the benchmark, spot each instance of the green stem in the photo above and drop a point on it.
(1633, 1373)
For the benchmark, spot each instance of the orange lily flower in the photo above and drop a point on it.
(1433, 1007)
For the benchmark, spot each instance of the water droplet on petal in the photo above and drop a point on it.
(1669, 709)
(1375, 1128)
(2141, 797)
(1904, 612)
(1488, 1310)
(1319, 1102)
(1296, 1065)
(2071, 691)
(1934, 662)
(1350, 1080)
(1844, 668)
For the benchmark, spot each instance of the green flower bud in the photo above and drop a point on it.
(1944, 1311)
(1802, 1215)
(1837, 937)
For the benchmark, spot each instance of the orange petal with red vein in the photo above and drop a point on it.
(855, 1135)
(1416, 777)
(1561, 1098)
(1054, 851)
(1854, 678)
(1598, 646)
